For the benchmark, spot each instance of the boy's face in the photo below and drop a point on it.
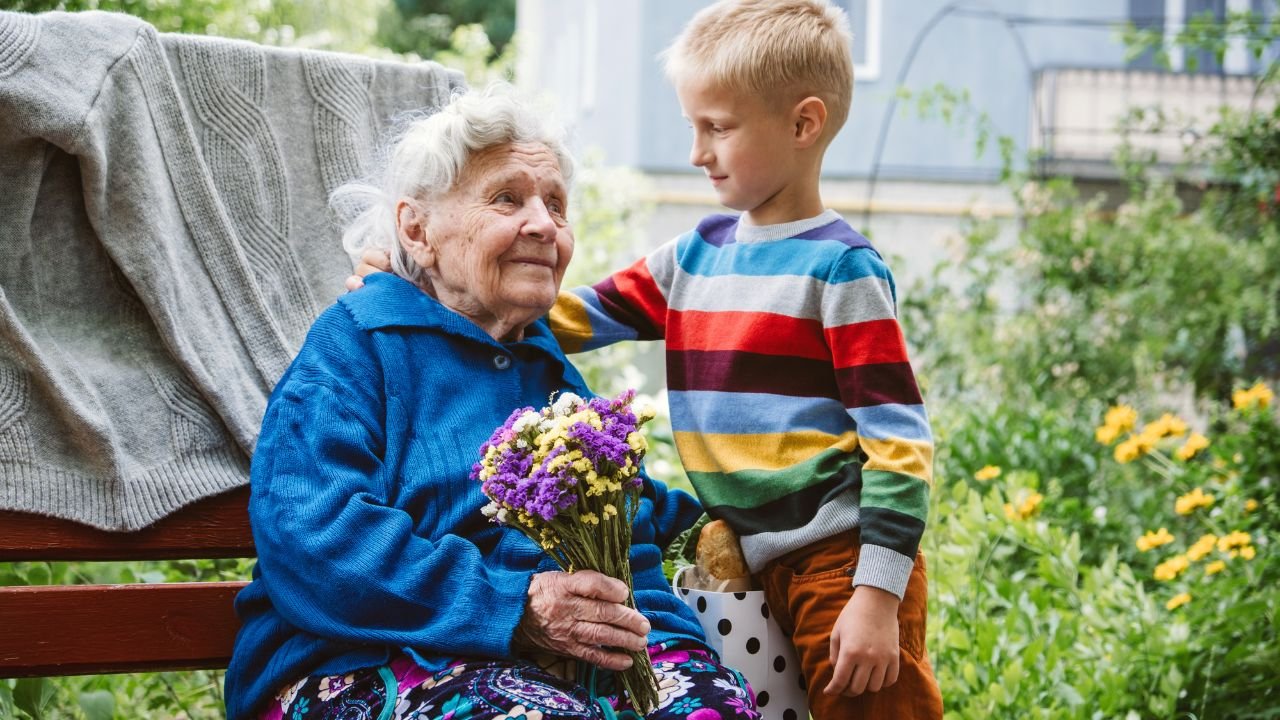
(747, 150)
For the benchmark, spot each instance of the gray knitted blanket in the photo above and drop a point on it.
(165, 243)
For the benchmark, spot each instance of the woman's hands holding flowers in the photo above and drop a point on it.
(582, 615)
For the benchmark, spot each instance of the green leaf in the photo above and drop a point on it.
(32, 696)
(98, 705)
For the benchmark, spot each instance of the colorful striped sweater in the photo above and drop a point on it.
(794, 407)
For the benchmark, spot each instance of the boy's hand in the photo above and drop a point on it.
(371, 261)
(864, 643)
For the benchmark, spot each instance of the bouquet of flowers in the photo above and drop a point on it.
(568, 477)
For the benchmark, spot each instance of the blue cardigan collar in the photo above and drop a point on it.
(388, 301)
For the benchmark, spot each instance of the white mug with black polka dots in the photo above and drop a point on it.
(739, 627)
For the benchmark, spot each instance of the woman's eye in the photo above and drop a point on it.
(504, 197)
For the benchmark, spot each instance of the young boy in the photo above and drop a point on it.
(795, 410)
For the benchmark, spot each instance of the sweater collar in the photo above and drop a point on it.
(389, 301)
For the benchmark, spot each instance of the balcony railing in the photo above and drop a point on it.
(1080, 116)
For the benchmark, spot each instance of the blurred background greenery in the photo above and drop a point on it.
(1090, 557)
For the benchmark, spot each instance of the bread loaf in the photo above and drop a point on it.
(719, 554)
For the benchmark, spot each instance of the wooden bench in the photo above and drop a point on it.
(97, 629)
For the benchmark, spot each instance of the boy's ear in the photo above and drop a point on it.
(808, 118)
(411, 230)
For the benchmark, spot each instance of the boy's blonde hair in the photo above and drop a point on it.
(788, 48)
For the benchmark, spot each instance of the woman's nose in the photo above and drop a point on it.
(538, 223)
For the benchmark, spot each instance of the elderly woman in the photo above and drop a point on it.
(381, 591)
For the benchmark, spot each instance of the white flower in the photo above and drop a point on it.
(490, 511)
(565, 404)
(672, 685)
(526, 421)
(730, 687)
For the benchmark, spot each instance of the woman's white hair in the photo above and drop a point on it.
(425, 159)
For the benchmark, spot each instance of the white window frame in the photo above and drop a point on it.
(869, 69)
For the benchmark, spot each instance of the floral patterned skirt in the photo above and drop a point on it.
(691, 686)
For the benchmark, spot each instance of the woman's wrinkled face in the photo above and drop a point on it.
(497, 244)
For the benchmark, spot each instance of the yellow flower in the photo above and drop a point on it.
(1154, 539)
(1174, 426)
(1128, 451)
(1106, 434)
(1259, 395)
(1214, 567)
(1186, 504)
(1234, 540)
(1027, 506)
(610, 510)
(1030, 505)
(1172, 568)
(1178, 601)
(1194, 444)
(1247, 552)
(1121, 417)
(590, 518)
(1250, 505)
(1203, 547)
(990, 472)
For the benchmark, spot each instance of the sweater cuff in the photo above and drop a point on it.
(883, 568)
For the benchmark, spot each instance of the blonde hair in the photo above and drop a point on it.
(770, 47)
(425, 159)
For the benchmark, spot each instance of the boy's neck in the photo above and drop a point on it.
(799, 200)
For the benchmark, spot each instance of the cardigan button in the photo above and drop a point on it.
(502, 362)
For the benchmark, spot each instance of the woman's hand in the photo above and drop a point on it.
(582, 616)
(371, 261)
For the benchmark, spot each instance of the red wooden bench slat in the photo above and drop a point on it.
(90, 629)
(216, 527)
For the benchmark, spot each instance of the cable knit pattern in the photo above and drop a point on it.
(15, 440)
(164, 247)
(345, 127)
(226, 84)
(18, 34)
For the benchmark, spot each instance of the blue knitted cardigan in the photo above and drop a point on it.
(369, 533)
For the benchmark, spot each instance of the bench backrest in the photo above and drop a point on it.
(91, 629)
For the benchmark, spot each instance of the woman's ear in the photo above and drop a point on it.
(808, 118)
(411, 230)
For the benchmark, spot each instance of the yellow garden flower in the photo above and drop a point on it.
(1172, 568)
(1168, 425)
(1155, 539)
(1202, 547)
(1178, 601)
(1248, 552)
(1187, 504)
(990, 472)
(1194, 444)
(1121, 417)
(1027, 506)
(1128, 451)
(1106, 434)
(1259, 395)
(1250, 505)
(1215, 567)
(1234, 540)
